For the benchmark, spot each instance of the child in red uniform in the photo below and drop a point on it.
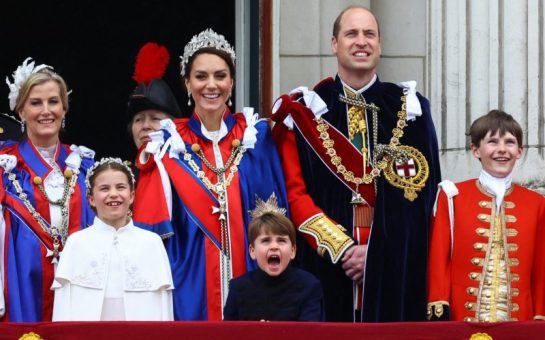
(487, 260)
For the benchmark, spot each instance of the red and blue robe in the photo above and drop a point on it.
(28, 272)
(191, 228)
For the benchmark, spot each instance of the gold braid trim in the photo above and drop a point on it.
(330, 237)
(436, 309)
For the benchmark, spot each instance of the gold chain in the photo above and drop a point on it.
(58, 233)
(382, 150)
(220, 188)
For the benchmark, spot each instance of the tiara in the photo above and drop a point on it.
(106, 160)
(206, 38)
(20, 76)
(268, 206)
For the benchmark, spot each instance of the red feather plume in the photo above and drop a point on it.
(151, 63)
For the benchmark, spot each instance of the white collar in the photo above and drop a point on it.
(496, 186)
(103, 226)
(363, 89)
(215, 136)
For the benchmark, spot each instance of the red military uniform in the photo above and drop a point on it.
(461, 268)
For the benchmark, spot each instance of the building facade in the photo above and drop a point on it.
(467, 56)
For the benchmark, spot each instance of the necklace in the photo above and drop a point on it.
(220, 188)
(66, 189)
(382, 154)
(57, 233)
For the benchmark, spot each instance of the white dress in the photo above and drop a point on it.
(109, 274)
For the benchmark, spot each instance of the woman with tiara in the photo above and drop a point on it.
(200, 177)
(42, 193)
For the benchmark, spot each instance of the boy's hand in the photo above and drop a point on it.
(354, 262)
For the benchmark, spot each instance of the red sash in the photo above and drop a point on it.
(306, 123)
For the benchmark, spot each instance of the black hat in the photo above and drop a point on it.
(10, 128)
(157, 95)
(152, 92)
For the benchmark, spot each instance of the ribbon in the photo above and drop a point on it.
(250, 133)
(413, 104)
(312, 100)
(8, 162)
(73, 161)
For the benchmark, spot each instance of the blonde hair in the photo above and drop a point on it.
(40, 78)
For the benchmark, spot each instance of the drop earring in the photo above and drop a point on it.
(188, 98)
(22, 126)
(63, 123)
(229, 102)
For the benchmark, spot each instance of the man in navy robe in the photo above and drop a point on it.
(361, 164)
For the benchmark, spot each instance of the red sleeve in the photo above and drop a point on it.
(538, 269)
(439, 260)
(304, 213)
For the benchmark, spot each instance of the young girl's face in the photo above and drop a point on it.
(273, 252)
(112, 197)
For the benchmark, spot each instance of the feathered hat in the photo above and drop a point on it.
(152, 92)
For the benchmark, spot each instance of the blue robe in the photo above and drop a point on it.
(395, 272)
(192, 234)
(28, 269)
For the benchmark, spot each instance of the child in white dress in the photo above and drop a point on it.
(112, 270)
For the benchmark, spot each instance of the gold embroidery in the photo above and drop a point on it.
(477, 261)
(482, 232)
(436, 309)
(485, 204)
(509, 205)
(384, 156)
(484, 217)
(470, 306)
(30, 336)
(410, 185)
(479, 336)
(510, 219)
(328, 236)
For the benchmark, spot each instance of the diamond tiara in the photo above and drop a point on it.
(106, 160)
(206, 38)
(269, 206)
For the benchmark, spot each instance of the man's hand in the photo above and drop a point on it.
(354, 262)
